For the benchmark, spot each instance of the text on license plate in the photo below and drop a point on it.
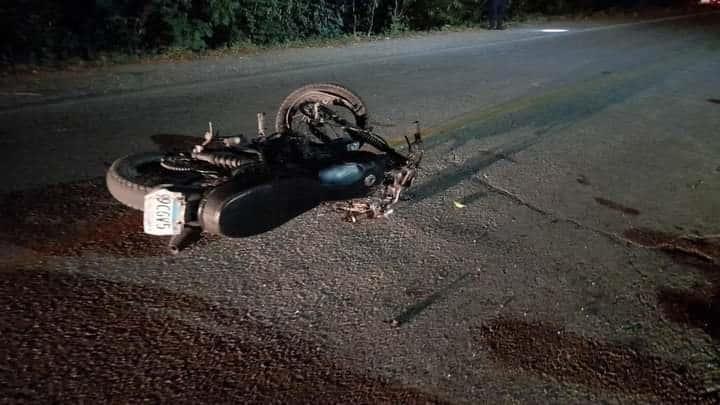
(164, 213)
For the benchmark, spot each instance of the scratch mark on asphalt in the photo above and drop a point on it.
(614, 237)
(616, 206)
(414, 310)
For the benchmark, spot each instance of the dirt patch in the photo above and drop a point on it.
(616, 206)
(74, 218)
(73, 338)
(549, 351)
(698, 308)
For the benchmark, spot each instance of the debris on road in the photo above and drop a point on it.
(583, 180)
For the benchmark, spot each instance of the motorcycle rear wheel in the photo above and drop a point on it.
(131, 177)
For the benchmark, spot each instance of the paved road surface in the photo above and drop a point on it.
(588, 163)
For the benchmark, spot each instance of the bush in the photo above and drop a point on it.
(38, 31)
(274, 21)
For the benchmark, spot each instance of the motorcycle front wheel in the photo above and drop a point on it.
(337, 104)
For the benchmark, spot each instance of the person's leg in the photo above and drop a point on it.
(500, 14)
(492, 13)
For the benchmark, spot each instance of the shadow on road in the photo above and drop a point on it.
(73, 338)
(72, 219)
(175, 143)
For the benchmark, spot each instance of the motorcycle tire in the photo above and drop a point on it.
(131, 177)
(319, 92)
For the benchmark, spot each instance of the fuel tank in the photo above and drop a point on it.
(349, 179)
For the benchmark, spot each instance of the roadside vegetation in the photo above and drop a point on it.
(49, 32)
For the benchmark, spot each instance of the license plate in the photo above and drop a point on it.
(164, 213)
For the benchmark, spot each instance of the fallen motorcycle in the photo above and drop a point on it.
(322, 150)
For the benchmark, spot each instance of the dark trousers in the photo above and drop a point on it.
(496, 12)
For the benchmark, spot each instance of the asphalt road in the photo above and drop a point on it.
(583, 268)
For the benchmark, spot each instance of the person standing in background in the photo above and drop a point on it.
(496, 14)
